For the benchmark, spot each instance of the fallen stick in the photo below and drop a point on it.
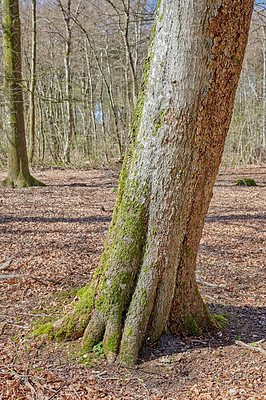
(258, 347)
(59, 390)
(37, 278)
(10, 276)
(5, 265)
(210, 284)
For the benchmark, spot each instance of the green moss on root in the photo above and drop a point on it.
(44, 330)
(191, 326)
(112, 344)
(87, 299)
(88, 344)
(222, 321)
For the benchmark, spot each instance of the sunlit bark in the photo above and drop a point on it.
(146, 276)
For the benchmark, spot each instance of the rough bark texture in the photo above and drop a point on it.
(146, 276)
(18, 169)
(32, 81)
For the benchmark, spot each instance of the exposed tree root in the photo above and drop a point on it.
(125, 320)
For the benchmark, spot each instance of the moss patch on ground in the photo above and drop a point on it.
(245, 182)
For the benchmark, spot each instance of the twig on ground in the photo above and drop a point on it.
(32, 359)
(11, 372)
(123, 379)
(99, 374)
(210, 298)
(3, 328)
(63, 282)
(256, 347)
(18, 326)
(37, 278)
(29, 314)
(11, 276)
(210, 284)
(55, 393)
(139, 380)
(40, 279)
(76, 393)
(5, 265)
(31, 387)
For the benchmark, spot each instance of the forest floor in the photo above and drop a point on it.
(51, 239)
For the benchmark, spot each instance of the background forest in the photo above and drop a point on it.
(82, 66)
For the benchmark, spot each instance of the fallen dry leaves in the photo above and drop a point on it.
(51, 239)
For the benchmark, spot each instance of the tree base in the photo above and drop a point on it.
(122, 342)
(21, 182)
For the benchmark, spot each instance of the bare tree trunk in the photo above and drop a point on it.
(18, 168)
(123, 24)
(104, 130)
(92, 106)
(264, 88)
(32, 82)
(68, 41)
(69, 19)
(108, 86)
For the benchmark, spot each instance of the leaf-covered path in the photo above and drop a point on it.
(51, 239)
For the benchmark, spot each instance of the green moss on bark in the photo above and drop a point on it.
(112, 343)
(88, 344)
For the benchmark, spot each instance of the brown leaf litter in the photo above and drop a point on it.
(51, 240)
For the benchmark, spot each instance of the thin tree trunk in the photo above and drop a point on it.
(69, 135)
(69, 19)
(124, 30)
(264, 88)
(92, 107)
(18, 168)
(32, 82)
(104, 130)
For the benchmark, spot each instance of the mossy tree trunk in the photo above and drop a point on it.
(18, 168)
(146, 276)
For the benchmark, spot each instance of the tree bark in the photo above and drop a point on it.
(69, 19)
(18, 168)
(146, 276)
(32, 81)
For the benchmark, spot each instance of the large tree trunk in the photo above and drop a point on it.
(146, 277)
(18, 169)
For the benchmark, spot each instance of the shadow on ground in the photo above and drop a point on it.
(247, 324)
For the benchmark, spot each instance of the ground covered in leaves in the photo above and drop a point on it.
(51, 239)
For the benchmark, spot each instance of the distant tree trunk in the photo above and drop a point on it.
(32, 81)
(264, 87)
(123, 24)
(146, 277)
(69, 137)
(70, 20)
(18, 169)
